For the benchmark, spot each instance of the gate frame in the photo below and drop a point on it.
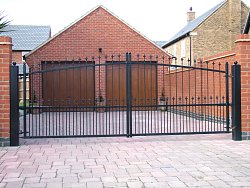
(129, 126)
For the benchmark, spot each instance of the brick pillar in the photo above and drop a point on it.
(5, 60)
(242, 49)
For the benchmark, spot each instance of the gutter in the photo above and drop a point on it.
(176, 40)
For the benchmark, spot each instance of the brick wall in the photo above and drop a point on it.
(17, 56)
(195, 84)
(99, 29)
(5, 60)
(243, 57)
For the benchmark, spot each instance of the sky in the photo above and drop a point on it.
(158, 20)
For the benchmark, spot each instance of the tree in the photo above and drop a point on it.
(3, 22)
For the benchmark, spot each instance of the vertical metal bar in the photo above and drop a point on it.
(130, 94)
(195, 98)
(90, 100)
(108, 103)
(182, 95)
(45, 84)
(31, 125)
(119, 92)
(43, 123)
(170, 96)
(207, 127)
(73, 97)
(67, 100)
(30, 97)
(127, 93)
(77, 100)
(144, 95)
(14, 106)
(86, 97)
(113, 97)
(24, 100)
(164, 114)
(213, 110)
(60, 109)
(227, 98)
(149, 73)
(39, 98)
(138, 74)
(219, 118)
(176, 100)
(99, 93)
(53, 100)
(189, 96)
(150, 100)
(201, 102)
(236, 102)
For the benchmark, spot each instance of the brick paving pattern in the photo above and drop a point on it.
(163, 161)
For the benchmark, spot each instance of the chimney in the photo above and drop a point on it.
(190, 15)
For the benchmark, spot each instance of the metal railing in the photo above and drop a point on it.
(125, 96)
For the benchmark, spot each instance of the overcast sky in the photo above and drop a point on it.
(156, 19)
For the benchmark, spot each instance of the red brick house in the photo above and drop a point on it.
(98, 33)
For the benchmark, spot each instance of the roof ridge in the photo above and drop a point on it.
(29, 25)
(85, 15)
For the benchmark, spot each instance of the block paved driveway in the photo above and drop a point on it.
(162, 161)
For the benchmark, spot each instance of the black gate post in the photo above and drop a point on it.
(128, 93)
(236, 102)
(14, 106)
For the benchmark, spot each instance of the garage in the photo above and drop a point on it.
(91, 100)
(143, 84)
(68, 84)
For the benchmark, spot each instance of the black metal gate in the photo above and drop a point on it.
(124, 96)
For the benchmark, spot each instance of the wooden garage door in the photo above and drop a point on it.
(64, 85)
(144, 85)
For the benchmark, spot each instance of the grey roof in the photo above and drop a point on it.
(192, 25)
(160, 43)
(27, 37)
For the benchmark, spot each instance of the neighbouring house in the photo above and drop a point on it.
(213, 32)
(99, 33)
(25, 38)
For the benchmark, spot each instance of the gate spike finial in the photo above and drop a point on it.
(138, 57)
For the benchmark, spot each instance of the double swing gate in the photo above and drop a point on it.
(121, 96)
